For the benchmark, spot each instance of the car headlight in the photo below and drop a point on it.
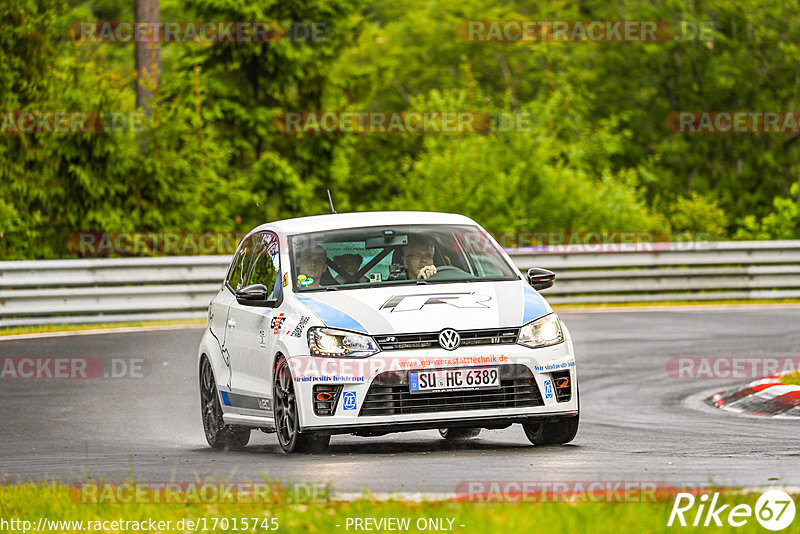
(542, 332)
(332, 343)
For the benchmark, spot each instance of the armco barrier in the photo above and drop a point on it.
(108, 290)
(693, 271)
(130, 289)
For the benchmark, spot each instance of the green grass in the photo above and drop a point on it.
(38, 329)
(792, 379)
(30, 502)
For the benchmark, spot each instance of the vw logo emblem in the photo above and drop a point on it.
(449, 339)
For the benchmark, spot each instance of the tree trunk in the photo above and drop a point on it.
(148, 54)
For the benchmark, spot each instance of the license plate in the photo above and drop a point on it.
(454, 379)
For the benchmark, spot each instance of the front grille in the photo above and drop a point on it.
(389, 395)
(563, 385)
(494, 336)
(325, 407)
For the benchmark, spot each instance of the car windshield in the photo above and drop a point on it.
(411, 254)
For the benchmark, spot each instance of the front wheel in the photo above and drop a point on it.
(218, 434)
(287, 422)
(552, 433)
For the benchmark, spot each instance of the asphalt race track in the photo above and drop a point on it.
(637, 423)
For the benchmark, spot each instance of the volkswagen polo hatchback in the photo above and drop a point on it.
(372, 323)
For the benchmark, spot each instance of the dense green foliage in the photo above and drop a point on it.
(596, 152)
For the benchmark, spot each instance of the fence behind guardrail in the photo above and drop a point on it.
(133, 289)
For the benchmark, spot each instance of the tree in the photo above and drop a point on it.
(148, 55)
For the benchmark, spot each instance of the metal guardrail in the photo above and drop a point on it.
(108, 290)
(131, 289)
(648, 272)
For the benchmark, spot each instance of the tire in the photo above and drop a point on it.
(553, 433)
(556, 432)
(286, 416)
(218, 435)
(459, 433)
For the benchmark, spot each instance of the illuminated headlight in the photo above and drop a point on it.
(542, 332)
(332, 343)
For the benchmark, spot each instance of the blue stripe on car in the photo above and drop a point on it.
(225, 399)
(333, 317)
(535, 306)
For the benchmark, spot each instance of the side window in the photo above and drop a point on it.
(266, 266)
(240, 264)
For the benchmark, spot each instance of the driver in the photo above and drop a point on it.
(418, 258)
(312, 263)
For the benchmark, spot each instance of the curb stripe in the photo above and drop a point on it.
(767, 397)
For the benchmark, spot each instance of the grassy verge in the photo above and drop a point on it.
(38, 329)
(54, 502)
(791, 379)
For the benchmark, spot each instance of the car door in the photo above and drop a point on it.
(217, 325)
(252, 330)
(219, 309)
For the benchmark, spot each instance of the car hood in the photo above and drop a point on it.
(428, 308)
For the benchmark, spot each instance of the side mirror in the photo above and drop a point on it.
(541, 278)
(254, 295)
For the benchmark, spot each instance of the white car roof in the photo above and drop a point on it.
(362, 219)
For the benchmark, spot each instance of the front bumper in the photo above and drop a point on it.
(372, 397)
(378, 429)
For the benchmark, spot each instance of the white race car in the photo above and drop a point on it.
(371, 323)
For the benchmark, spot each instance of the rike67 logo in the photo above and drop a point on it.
(774, 510)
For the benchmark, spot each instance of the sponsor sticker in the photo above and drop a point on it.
(277, 322)
(261, 343)
(349, 400)
(548, 389)
(400, 303)
(298, 330)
